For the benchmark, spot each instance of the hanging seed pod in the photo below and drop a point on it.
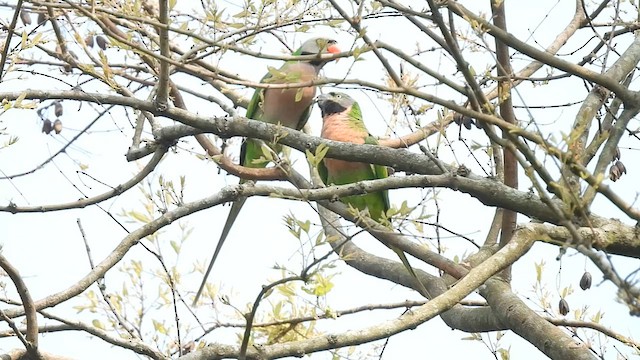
(25, 17)
(621, 168)
(58, 108)
(563, 307)
(457, 118)
(57, 126)
(467, 122)
(585, 281)
(47, 126)
(102, 42)
(89, 41)
(616, 155)
(614, 173)
(41, 18)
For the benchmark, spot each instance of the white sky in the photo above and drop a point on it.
(49, 252)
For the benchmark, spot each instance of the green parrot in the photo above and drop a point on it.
(342, 121)
(288, 107)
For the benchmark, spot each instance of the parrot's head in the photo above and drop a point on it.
(334, 103)
(318, 46)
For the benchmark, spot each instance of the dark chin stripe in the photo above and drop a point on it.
(316, 63)
(330, 108)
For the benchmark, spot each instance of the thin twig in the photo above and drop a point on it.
(28, 305)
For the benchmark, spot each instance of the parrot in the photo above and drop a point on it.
(287, 107)
(342, 121)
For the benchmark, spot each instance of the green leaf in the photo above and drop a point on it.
(159, 327)
(97, 324)
(539, 266)
(321, 152)
(504, 354)
(175, 246)
(19, 100)
(305, 226)
(321, 285)
(24, 43)
(266, 152)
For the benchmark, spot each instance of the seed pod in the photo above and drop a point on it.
(57, 126)
(614, 173)
(585, 281)
(466, 121)
(621, 168)
(457, 118)
(25, 17)
(563, 307)
(41, 18)
(616, 155)
(102, 42)
(89, 41)
(47, 126)
(58, 108)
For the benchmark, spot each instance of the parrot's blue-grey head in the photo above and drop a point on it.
(335, 102)
(318, 46)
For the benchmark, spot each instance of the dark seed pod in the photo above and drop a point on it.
(25, 17)
(563, 307)
(621, 168)
(457, 118)
(89, 41)
(616, 155)
(41, 18)
(58, 108)
(102, 42)
(585, 281)
(47, 126)
(614, 173)
(57, 126)
(467, 122)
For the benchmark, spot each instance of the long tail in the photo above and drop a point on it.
(231, 218)
(405, 262)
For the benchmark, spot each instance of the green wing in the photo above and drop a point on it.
(323, 172)
(304, 118)
(379, 172)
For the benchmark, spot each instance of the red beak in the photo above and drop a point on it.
(333, 49)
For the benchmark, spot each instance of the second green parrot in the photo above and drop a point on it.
(288, 107)
(342, 121)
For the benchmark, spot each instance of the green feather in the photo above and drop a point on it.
(252, 149)
(377, 203)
